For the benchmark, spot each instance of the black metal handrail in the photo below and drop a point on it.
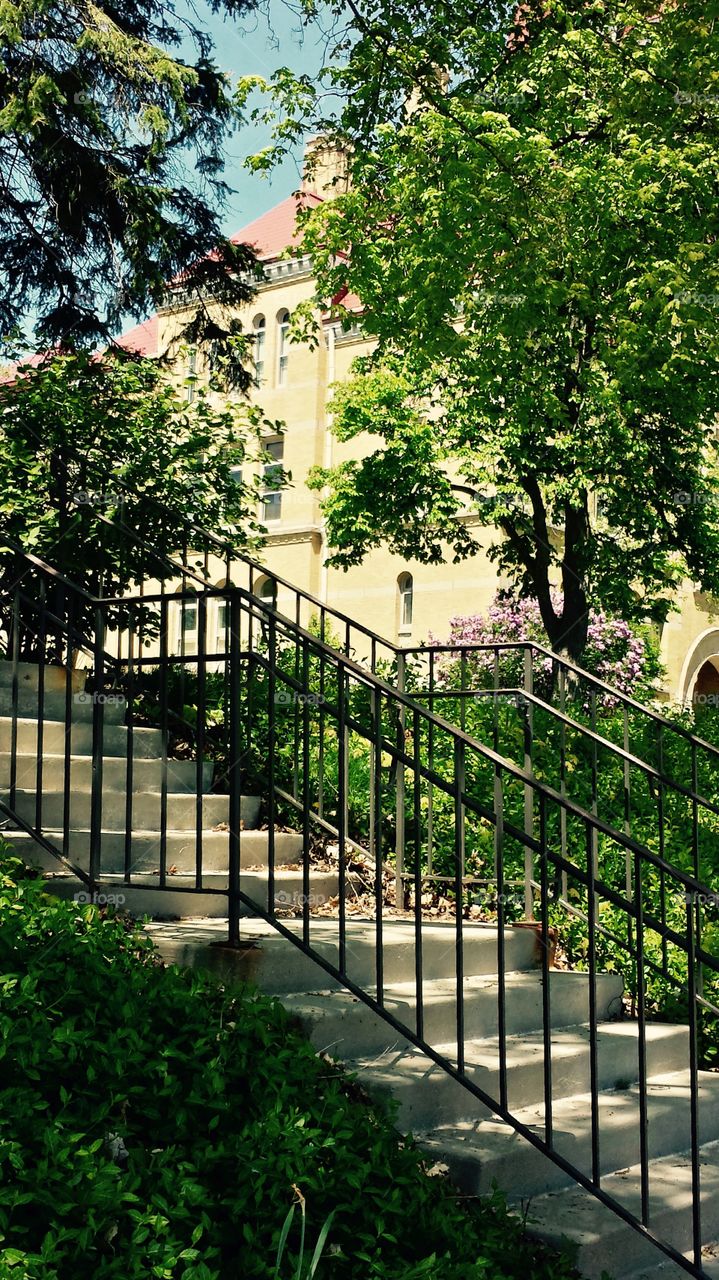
(308, 714)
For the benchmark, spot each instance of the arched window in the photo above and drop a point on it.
(266, 590)
(260, 331)
(283, 330)
(405, 588)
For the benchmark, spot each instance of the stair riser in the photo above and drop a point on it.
(430, 1098)
(181, 810)
(53, 705)
(145, 851)
(523, 1011)
(181, 774)
(519, 1166)
(172, 903)
(146, 743)
(276, 973)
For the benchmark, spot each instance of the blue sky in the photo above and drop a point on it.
(257, 46)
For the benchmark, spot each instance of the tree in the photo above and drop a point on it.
(103, 465)
(534, 236)
(111, 160)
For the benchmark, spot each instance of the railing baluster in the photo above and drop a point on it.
(164, 729)
(306, 888)
(459, 847)
(417, 832)
(592, 978)
(501, 948)
(68, 725)
(40, 739)
(16, 616)
(98, 719)
(271, 749)
(399, 790)
(342, 800)
(546, 980)
(376, 749)
(692, 992)
(130, 756)
(641, 1040)
(201, 668)
(528, 790)
(233, 772)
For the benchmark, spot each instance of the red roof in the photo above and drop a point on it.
(144, 339)
(275, 230)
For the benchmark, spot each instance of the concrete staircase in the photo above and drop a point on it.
(147, 774)
(453, 1127)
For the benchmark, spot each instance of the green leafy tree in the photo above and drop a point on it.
(534, 236)
(111, 161)
(103, 464)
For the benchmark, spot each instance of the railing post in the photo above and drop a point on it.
(528, 790)
(98, 731)
(400, 788)
(233, 776)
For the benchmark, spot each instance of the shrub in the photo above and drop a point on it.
(155, 1124)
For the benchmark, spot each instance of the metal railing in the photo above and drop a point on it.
(384, 792)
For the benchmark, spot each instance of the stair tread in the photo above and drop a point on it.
(572, 1211)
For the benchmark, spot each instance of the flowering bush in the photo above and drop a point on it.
(623, 656)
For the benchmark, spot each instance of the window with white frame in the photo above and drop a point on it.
(187, 610)
(191, 375)
(283, 338)
(272, 472)
(405, 587)
(260, 331)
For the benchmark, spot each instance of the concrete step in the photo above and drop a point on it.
(145, 850)
(569, 1006)
(181, 774)
(177, 899)
(53, 705)
(279, 968)
(672, 1270)
(428, 1097)
(477, 1152)
(603, 1242)
(181, 808)
(146, 743)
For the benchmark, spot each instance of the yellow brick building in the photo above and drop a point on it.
(406, 602)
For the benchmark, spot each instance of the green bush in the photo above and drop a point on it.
(155, 1124)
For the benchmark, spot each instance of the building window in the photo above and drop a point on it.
(283, 329)
(187, 622)
(405, 586)
(223, 617)
(191, 375)
(266, 590)
(272, 471)
(260, 329)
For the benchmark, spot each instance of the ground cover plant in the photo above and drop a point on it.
(155, 1124)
